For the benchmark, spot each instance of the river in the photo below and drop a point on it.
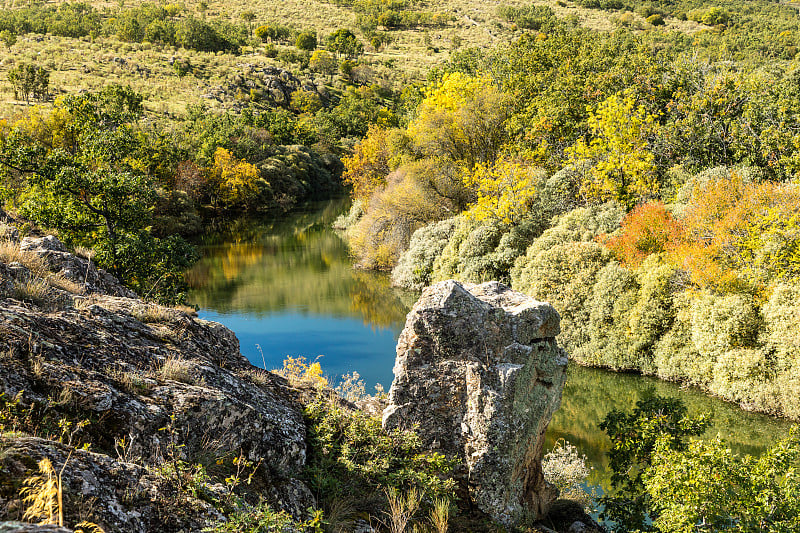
(287, 288)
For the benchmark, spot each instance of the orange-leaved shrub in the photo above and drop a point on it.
(741, 236)
(649, 229)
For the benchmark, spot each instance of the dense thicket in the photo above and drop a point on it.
(644, 183)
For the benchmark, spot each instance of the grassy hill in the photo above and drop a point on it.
(94, 60)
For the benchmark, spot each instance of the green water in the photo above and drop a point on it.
(287, 288)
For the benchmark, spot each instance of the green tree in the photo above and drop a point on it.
(343, 42)
(249, 17)
(634, 437)
(306, 40)
(28, 81)
(708, 488)
(94, 186)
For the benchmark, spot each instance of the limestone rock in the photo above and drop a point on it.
(479, 370)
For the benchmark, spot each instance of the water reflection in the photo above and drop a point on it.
(591, 393)
(287, 287)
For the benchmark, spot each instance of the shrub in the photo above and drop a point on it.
(351, 456)
(613, 296)
(565, 468)
(415, 267)
(648, 229)
(655, 19)
(655, 424)
(306, 40)
(706, 484)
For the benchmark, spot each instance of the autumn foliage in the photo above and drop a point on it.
(740, 236)
(648, 229)
(367, 168)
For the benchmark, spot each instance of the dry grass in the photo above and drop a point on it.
(11, 253)
(176, 369)
(135, 381)
(154, 314)
(65, 284)
(36, 291)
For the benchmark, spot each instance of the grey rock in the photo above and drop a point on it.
(173, 386)
(78, 269)
(21, 527)
(479, 370)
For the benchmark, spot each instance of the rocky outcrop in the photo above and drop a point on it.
(159, 389)
(267, 85)
(479, 370)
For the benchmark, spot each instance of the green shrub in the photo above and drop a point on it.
(706, 484)
(612, 298)
(351, 458)
(782, 338)
(675, 356)
(414, 270)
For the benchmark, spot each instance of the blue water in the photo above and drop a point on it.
(343, 345)
(287, 287)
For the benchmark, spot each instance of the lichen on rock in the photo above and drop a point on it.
(479, 370)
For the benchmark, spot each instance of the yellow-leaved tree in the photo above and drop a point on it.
(367, 168)
(235, 179)
(504, 190)
(463, 118)
(620, 165)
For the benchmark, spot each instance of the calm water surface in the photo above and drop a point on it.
(287, 288)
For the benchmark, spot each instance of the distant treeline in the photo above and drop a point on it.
(157, 23)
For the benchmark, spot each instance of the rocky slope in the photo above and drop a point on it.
(159, 388)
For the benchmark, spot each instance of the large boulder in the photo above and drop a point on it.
(479, 370)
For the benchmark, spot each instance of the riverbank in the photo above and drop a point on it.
(289, 284)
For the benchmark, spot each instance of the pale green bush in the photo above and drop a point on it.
(613, 296)
(675, 356)
(562, 264)
(466, 255)
(724, 322)
(415, 267)
(564, 275)
(781, 337)
(653, 313)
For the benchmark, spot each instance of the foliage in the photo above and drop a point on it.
(461, 118)
(414, 269)
(622, 167)
(86, 177)
(741, 234)
(565, 468)
(351, 455)
(648, 229)
(299, 372)
(306, 40)
(505, 191)
(655, 421)
(261, 518)
(344, 43)
(28, 80)
(706, 484)
(366, 169)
